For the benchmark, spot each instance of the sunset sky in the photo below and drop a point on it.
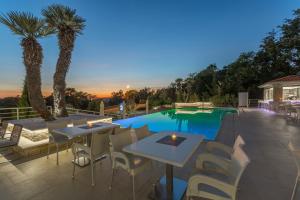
(144, 42)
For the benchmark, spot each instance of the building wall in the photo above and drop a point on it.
(277, 93)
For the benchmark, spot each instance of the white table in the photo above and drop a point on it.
(76, 131)
(168, 154)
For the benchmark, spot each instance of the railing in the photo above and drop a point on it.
(77, 111)
(19, 113)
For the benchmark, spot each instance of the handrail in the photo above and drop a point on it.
(19, 112)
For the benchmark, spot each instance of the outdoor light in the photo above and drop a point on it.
(174, 136)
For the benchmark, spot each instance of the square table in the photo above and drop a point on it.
(171, 155)
(81, 130)
(84, 130)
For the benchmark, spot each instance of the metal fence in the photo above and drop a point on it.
(77, 111)
(19, 113)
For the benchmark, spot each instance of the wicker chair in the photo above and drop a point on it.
(55, 138)
(14, 137)
(296, 156)
(99, 148)
(3, 130)
(134, 165)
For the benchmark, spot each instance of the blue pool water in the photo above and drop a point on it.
(193, 120)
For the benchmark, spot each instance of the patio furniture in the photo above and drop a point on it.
(142, 132)
(78, 122)
(222, 149)
(55, 138)
(173, 149)
(134, 165)
(14, 137)
(80, 131)
(296, 156)
(119, 130)
(98, 148)
(3, 130)
(224, 187)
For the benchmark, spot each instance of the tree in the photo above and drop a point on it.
(290, 41)
(116, 97)
(68, 25)
(24, 99)
(30, 28)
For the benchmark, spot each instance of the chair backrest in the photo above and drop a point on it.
(142, 132)
(119, 130)
(296, 155)
(78, 122)
(238, 164)
(4, 129)
(119, 141)
(16, 134)
(100, 143)
(55, 125)
(239, 142)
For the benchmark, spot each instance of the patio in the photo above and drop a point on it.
(270, 174)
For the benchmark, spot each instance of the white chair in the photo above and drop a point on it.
(210, 187)
(296, 156)
(119, 130)
(134, 165)
(142, 132)
(98, 148)
(222, 149)
(55, 138)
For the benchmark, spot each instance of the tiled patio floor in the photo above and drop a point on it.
(270, 176)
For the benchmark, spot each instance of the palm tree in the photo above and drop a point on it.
(68, 26)
(30, 28)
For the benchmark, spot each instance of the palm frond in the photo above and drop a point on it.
(63, 17)
(25, 24)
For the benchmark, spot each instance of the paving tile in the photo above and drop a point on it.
(270, 175)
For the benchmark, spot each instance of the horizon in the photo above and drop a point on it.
(130, 43)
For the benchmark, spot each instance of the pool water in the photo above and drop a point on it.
(192, 120)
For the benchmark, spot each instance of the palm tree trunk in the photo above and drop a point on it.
(66, 45)
(32, 55)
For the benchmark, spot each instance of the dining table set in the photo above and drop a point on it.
(173, 149)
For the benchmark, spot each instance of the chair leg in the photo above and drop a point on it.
(92, 166)
(57, 163)
(48, 151)
(295, 188)
(112, 178)
(133, 188)
(73, 176)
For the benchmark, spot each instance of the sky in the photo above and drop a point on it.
(143, 43)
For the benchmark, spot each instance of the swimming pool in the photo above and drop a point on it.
(193, 120)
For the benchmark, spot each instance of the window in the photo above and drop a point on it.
(291, 93)
(268, 94)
